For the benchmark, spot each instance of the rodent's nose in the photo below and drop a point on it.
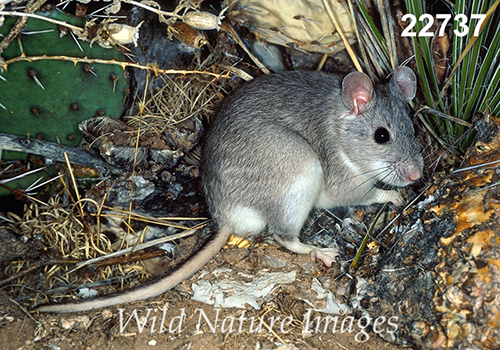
(413, 173)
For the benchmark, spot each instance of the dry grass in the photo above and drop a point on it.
(73, 242)
(180, 98)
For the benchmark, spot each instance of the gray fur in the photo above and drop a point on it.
(274, 130)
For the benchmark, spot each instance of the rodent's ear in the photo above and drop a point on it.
(404, 78)
(357, 91)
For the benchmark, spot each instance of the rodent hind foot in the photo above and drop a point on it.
(327, 255)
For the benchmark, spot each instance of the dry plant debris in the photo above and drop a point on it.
(169, 122)
(468, 281)
(69, 239)
(303, 24)
(107, 33)
(178, 100)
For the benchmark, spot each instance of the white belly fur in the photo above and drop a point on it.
(303, 194)
(247, 220)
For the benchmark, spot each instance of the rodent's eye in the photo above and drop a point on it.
(382, 135)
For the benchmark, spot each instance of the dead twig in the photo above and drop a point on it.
(54, 151)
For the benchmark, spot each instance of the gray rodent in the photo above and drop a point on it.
(286, 143)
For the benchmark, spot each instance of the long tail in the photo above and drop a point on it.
(148, 290)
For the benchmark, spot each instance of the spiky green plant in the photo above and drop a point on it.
(472, 84)
(50, 98)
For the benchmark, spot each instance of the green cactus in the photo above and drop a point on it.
(49, 98)
(70, 94)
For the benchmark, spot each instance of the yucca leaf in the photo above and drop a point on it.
(472, 84)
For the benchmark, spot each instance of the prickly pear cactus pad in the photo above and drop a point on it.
(49, 98)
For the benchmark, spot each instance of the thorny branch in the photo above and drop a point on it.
(124, 65)
(31, 7)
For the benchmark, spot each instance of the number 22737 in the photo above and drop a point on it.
(461, 30)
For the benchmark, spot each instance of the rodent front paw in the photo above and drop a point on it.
(396, 198)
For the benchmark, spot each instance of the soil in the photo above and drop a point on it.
(204, 326)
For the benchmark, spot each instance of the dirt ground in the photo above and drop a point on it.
(284, 321)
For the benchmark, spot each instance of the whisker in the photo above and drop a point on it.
(376, 175)
(376, 171)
